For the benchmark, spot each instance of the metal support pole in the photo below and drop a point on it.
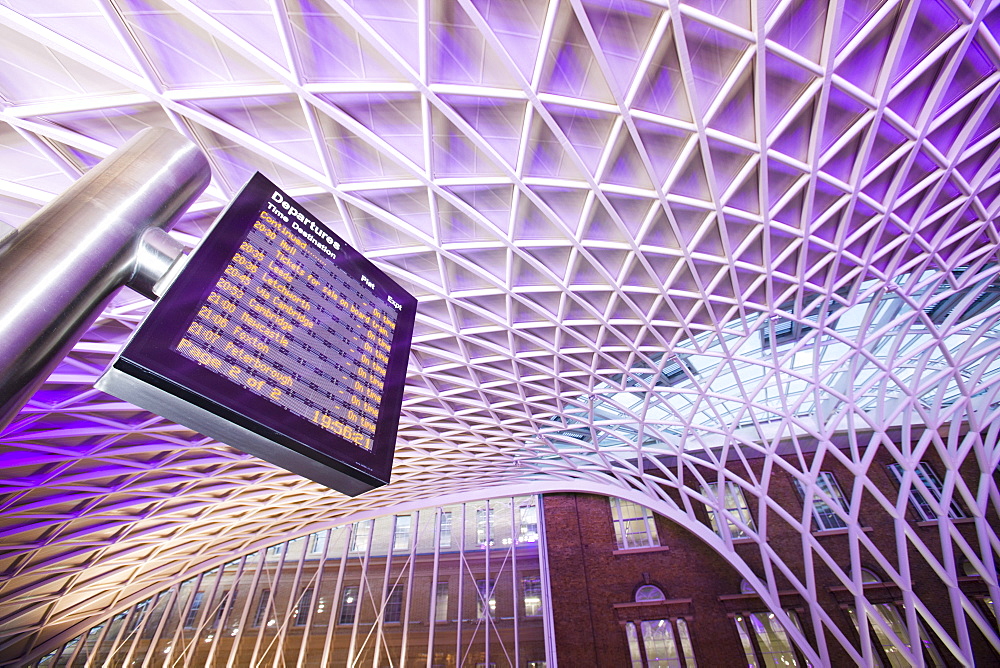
(59, 270)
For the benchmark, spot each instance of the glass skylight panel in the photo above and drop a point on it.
(715, 397)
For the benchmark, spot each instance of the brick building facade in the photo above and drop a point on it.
(595, 580)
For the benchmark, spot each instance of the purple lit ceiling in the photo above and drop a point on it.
(609, 211)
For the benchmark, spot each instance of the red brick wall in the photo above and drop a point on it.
(588, 578)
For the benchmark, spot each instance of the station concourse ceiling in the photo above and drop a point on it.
(638, 232)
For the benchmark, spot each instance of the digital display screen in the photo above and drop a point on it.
(278, 326)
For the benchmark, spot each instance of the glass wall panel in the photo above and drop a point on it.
(455, 586)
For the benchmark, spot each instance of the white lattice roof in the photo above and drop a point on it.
(637, 230)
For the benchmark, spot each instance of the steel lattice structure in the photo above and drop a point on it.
(647, 238)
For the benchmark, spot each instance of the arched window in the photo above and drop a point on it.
(648, 593)
(869, 577)
(891, 616)
(660, 642)
(765, 641)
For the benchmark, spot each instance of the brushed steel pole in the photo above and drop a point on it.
(59, 270)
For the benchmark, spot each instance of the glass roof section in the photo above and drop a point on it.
(686, 400)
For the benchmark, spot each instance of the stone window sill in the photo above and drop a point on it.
(934, 523)
(641, 550)
(837, 532)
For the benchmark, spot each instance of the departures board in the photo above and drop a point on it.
(278, 339)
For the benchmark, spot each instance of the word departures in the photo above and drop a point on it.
(289, 340)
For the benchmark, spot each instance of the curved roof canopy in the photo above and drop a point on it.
(658, 232)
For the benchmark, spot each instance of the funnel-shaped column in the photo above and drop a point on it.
(59, 270)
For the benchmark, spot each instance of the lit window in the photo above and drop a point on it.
(988, 604)
(823, 514)
(658, 640)
(633, 645)
(302, 609)
(649, 593)
(684, 636)
(925, 474)
(532, 586)
(485, 590)
(765, 642)
(528, 523)
(736, 504)
(348, 605)
(445, 539)
(401, 534)
(393, 611)
(634, 525)
(893, 654)
(441, 603)
(869, 577)
(359, 539)
(484, 527)
(663, 642)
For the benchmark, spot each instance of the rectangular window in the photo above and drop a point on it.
(359, 539)
(484, 527)
(889, 615)
(348, 605)
(633, 645)
(401, 534)
(192, 614)
(262, 605)
(634, 525)
(736, 504)
(274, 551)
(918, 501)
(220, 609)
(317, 541)
(658, 640)
(527, 523)
(302, 609)
(441, 602)
(764, 640)
(154, 616)
(445, 535)
(685, 639)
(393, 611)
(532, 586)
(486, 602)
(824, 515)
(137, 615)
(664, 643)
